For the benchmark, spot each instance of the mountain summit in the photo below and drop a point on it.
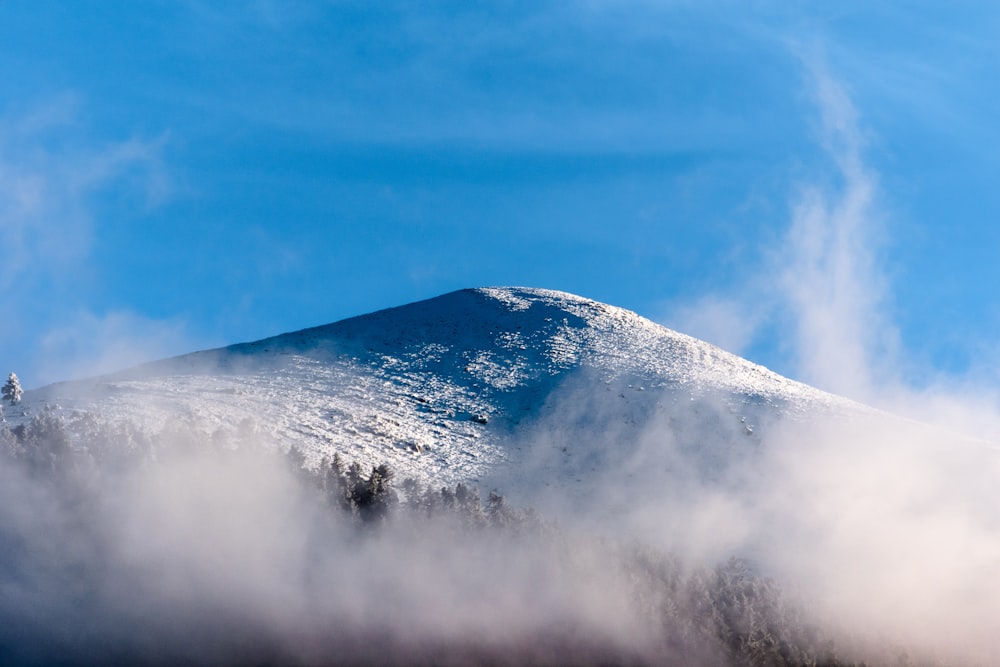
(662, 495)
(440, 388)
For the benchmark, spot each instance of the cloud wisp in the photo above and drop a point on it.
(52, 181)
(86, 345)
(885, 524)
(48, 183)
(828, 270)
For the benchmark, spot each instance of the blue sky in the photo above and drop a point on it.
(814, 188)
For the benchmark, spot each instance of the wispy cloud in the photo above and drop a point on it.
(824, 282)
(49, 176)
(830, 279)
(824, 291)
(84, 344)
(834, 287)
(725, 321)
(53, 177)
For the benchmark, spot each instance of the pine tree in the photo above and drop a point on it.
(295, 459)
(497, 511)
(380, 487)
(334, 483)
(12, 390)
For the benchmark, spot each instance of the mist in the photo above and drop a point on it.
(876, 534)
(881, 532)
(907, 538)
(207, 555)
(886, 529)
(885, 522)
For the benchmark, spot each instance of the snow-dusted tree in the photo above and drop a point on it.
(12, 390)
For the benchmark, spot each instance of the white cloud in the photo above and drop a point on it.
(826, 288)
(729, 323)
(49, 174)
(86, 344)
(824, 284)
(830, 279)
(52, 180)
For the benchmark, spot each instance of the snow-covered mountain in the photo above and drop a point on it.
(607, 424)
(448, 388)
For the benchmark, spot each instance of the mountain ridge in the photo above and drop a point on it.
(595, 419)
(435, 387)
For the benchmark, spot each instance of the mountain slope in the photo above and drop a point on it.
(615, 428)
(440, 388)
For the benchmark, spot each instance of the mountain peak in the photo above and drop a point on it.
(534, 331)
(435, 387)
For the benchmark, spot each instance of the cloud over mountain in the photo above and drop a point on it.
(614, 426)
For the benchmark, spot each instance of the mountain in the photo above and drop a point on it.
(450, 388)
(692, 507)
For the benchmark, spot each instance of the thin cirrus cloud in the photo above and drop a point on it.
(50, 176)
(823, 278)
(829, 273)
(51, 180)
(826, 283)
(84, 344)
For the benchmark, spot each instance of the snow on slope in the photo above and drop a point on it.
(441, 388)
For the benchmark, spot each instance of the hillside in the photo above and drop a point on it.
(439, 388)
(667, 503)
